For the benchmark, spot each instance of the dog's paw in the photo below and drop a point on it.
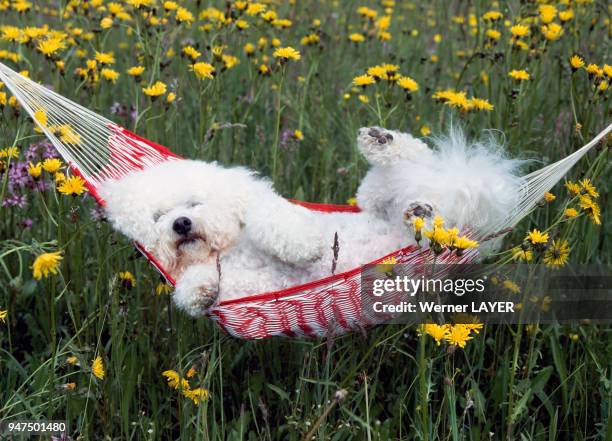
(385, 147)
(379, 146)
(197, 289)
(374, 136)
(418, 209)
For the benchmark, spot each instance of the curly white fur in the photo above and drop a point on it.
(244, 238)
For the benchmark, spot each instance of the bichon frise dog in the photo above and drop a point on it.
(224, 233)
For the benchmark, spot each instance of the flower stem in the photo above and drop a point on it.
(277, 127)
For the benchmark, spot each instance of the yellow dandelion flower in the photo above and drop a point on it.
(481, 104)
(72, 186)
(552, 31)
(249, 49)
(51, 165)
(511, 286)
(493, 34)
(458, 335)
(557, 253)
(109, 74)
(573, 188)
(425, 130)
(203, 70)
(105, 57)
(520, 254)
(378, 72)
(591, 208)
(155, 90)
(594, 70)
(9, 152)
(255, 8)
(364, 80)
(3, 315)
(571, 212)
(589, 188)
(183, 15)
(59, 177)
(473, 326)
(68, 135)
(170, 97)
(297, 134)
(287, 53)
(135, 71)
(45, 264)
(384, 36)
(229, 61)
(35, 170)
(128, 281)
(407, 83)
(72, 360)
(438, 238)
(576, 62)
(536, 237)
(367, 12)
(356, 38)
(175, 381)
(241, 24)
(364, 99)
(437, 332)
(549, 197)
(50, 46)
(520, 75)
(196, 395)
(547, 13)
(519, 30)
(163, 288)
(263, 69)
(106, 22)
(97, 368)
(386, 266)
(191, 52)
(463, 243)
(566, 15)
(492, 16)
(418, 224)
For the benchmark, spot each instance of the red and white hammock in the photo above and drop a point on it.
(98, 149)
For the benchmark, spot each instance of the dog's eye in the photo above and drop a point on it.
(193, 204)
(157, 215)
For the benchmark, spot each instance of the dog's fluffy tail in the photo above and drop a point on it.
(482, 184)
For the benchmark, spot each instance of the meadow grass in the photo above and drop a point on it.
(509, 382)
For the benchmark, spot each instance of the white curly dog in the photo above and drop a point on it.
(224, 233)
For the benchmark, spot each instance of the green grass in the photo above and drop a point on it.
(510, 382)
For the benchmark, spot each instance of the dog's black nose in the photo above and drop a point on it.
(182, 225)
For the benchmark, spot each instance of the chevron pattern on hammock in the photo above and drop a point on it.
(98, 149)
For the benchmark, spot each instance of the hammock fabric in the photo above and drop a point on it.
(98, 149)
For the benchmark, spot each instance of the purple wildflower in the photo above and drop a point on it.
(15, 200)
(27, 223)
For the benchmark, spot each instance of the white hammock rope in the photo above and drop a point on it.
(90, 143)
(82, 137)
(536, 183)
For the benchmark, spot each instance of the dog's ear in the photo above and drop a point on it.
(286, 231)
